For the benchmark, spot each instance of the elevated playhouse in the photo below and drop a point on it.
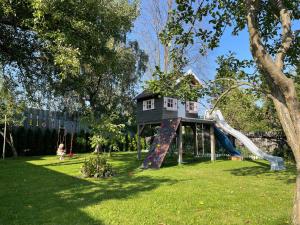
(171, 115)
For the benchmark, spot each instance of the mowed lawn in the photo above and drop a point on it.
(44, 190)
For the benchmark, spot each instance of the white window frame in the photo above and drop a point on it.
(194, 109)
(148, 104)
(170, 104)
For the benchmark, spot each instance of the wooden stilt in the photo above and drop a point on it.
(202, 139)
(212, 144)
(180, 144)
(196, 150)
(138, 143)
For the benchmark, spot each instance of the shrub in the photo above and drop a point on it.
(97, 167)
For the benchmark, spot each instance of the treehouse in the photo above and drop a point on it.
(173, 116)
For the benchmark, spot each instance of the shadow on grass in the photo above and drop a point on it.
(32, 194)
(188, 160)
(288, 175)
(65, 162)
(126, 162)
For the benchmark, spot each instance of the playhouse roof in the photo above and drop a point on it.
(148, 93)
(145, 94)
(190, 73)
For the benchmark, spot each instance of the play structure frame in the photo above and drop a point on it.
(172, 114)
(171, 128)
(194, 123)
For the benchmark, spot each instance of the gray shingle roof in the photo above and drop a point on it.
(145, 94)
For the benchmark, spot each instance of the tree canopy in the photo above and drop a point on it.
(72, 55)
(45, 46)
(244, 108)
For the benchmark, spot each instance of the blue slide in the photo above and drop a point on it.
(226, 143)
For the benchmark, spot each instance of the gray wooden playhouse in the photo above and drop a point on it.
(172, 115)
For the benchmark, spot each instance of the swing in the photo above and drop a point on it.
(61, 139)
(61, 143)
(71, 144)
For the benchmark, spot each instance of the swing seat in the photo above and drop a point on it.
(60, 152)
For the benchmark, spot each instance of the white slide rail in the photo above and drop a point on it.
(276, 162)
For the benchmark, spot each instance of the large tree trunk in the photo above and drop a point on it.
(290, 127)
(296, 209)
(282, 88)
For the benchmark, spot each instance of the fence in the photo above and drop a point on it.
(33, 142)
(52, 120)
(38, 141)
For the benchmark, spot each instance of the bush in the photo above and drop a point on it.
(97, 167)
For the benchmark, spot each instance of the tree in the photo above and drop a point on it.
(11, 113)
(151, 23)
(273, 43)
(154, 16)
(72, 55)
(107, 132)
(42, 43)
(244, 107)
(112, 88)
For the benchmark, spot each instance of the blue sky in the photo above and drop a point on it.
(205, 68)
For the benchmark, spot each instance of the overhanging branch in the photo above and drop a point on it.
(237, 85)
(287, 34)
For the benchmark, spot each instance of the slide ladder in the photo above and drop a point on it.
(161, 143)
(276, 162)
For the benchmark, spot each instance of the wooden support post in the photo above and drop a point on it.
(202, 139)
(180, 144)
(139, 156)
(212, 144)
(196, 150)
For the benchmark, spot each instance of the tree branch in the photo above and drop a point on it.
(223, 95)
(287, 34)
(238, 84)
(259, 52)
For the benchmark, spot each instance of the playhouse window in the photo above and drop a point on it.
(170, 103)
(148, 104)
(192, 107)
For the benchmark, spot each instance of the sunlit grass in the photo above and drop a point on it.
(44, 190)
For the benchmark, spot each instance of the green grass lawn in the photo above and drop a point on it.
(44, 190)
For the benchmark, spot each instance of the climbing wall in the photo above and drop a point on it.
(161, 143)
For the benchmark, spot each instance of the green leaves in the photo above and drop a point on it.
(106, 131)
(222, 14)
(49, 44)
(174, 84)
(10, 106)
